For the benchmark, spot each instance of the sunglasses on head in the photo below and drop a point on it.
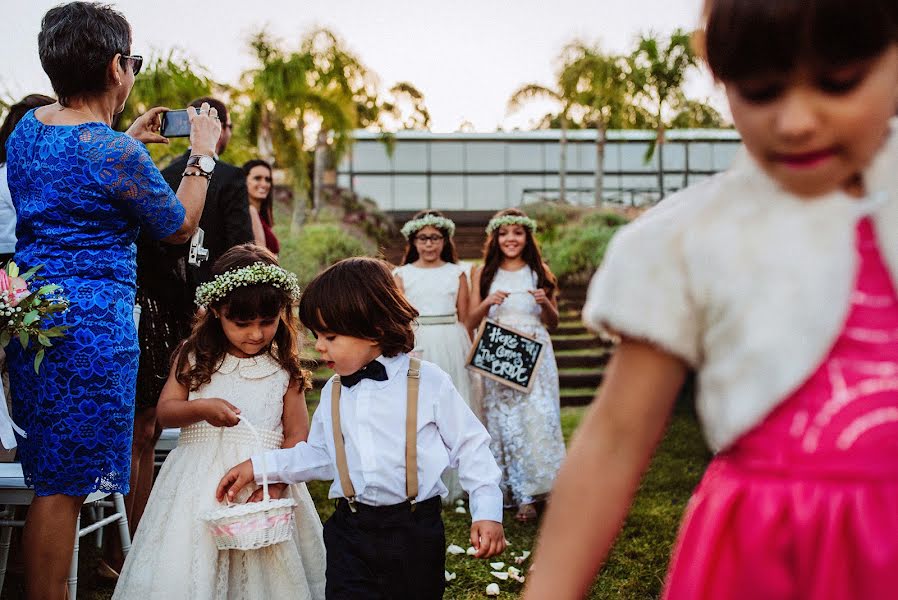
(136, 62)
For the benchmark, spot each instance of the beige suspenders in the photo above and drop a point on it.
(411, 437)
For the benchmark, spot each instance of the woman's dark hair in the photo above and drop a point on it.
(746, 38)
(15, 114)
(358, 297)
(448, 254)
(76, 42)
(492, 259)
(207, 342)
(267, 211)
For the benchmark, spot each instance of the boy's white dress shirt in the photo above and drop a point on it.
(373, 419)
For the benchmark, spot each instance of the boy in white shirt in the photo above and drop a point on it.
(386, 539)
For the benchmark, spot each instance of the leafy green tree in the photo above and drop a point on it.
(694, 114)
(595, 84)
(535, 91)
(658, 69)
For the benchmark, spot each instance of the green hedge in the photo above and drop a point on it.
(575, 250)
(318, 246)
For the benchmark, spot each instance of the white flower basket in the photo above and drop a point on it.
(252, 525)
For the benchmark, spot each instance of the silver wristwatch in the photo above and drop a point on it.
(204, 163)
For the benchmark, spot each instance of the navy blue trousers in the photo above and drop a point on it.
(386, 553)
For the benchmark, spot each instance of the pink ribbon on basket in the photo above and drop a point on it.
(235, 529)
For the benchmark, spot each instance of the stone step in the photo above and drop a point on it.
(580, 379)
(577, 397)
(570, 327)
(578, 343)
(582, 361)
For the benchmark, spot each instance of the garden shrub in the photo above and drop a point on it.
(318, 246)
(577, 247)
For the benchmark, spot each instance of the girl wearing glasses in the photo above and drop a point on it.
(436, 285)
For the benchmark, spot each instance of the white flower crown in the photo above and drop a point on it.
(259, 272)
(497, 222)
(433, 220)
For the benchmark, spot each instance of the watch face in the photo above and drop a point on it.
(206, 163)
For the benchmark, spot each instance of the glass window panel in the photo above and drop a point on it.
(633, 157)
(486, 192)
(410, 156)
(700, 156)
(674, 156)
(446, 156)
(371, 156)
(410, 192)
(521, 187)
(525, 157)
(378, 188)
(724, 153)
(447, 192)
(586, 156)
(485, 156)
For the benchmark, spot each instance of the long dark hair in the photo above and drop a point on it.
(267, 210)
(447, 255)
(207, 342)
(492, 259)
(748, 38)
(15, 114)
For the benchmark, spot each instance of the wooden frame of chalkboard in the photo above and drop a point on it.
(512, 345)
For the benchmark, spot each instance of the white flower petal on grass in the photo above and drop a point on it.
(512, 570)
(459, 502)
(497, 566)
(449, 576)
(471, 551)
(453, 549)
(500, 575)
(460, 509)
(524, 555)
(492, 589)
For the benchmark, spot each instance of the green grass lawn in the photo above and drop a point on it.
(634, 570)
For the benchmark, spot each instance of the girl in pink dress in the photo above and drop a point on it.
(775, 281)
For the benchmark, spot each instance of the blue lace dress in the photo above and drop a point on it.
(82, 193)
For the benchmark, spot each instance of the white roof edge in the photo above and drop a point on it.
(553, 134)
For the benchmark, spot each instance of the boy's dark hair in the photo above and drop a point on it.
(448, 254)
(15, 114)
(746, 38)
(358, 297)
(75, 44)
(207, 342)
(492, 259)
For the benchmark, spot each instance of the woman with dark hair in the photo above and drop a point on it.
(79, 213)
(437, 287)
(7, 212)
(261, 203)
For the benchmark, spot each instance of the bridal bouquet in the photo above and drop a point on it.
(23, 309)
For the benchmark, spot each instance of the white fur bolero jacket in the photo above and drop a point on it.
(748, 284)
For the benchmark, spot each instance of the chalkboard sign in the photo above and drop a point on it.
(505, 355)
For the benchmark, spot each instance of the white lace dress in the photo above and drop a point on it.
(173, 555)
(526, 428)
(434, 292)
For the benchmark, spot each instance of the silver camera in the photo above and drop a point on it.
(197, 253)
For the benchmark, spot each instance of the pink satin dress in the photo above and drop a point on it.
(805, 505)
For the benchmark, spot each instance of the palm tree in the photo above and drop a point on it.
(406, 107)
(659, 68)
(289, 92)
(535, 91)
(595, 84)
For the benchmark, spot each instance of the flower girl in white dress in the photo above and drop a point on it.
(241, 359)
(436, 285)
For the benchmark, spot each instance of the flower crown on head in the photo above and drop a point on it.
(497, 222)
(437, 221)
(260, 272)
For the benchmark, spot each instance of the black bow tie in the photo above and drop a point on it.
(373, 370)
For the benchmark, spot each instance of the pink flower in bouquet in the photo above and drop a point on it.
(13, 289)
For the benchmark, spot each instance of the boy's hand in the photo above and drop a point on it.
(234, 481)
(488, 538)
(276, 491)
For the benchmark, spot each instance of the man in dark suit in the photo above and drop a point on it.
(225, 218)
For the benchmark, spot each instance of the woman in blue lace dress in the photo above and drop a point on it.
(82, 192)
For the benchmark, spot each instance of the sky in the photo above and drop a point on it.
(466, 56)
